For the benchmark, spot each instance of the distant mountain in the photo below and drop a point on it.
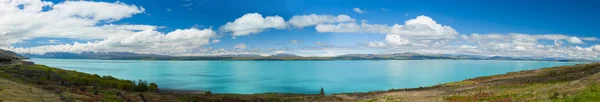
(396, 56)
(239, 55)
(282, 56)
(94, 55)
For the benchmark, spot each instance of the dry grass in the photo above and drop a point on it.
(547, 84)
(11, 91)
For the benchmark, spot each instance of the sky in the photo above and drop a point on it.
(516, 28)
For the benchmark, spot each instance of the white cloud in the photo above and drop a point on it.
(50, 42)
(240, 46)
(89, 20)
(575, 40)
(341, 27)
(95, 10)
(423, 27)
(375, 28)
(295, 41)
(301, 21)
(558, 43)
(468, 47)
(589, 38)
(215, 41)
(396, 40)
(70, 19)
(148, 41)
(596, 48)
(358, 10)
(253, 23)
(375, 44)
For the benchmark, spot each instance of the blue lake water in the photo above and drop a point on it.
(246, 77)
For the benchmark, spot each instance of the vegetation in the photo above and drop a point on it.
(590, 94)
(322, 92)
(46, 75)
(562, 83)
(152, 87)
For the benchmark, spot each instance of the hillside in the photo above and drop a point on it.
(7, 56)
(563, 83)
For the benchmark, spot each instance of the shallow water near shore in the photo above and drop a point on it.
(303, 77)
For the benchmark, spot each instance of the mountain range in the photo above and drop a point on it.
(281, 56)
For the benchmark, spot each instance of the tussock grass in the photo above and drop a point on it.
(11, 91)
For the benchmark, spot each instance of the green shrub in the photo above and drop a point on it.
(152, 87)
(322, 92)
(142, 86)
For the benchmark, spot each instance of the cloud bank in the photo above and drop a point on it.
(22, 20)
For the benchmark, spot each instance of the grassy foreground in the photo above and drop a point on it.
(33, 83)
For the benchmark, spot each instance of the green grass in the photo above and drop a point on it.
(590, 94)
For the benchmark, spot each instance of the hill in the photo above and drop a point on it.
(8, 56)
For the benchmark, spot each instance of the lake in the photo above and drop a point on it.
(247, 77)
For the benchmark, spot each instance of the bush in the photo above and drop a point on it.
(141, 86)
(152, 87)
(322, 92)
(208, 93)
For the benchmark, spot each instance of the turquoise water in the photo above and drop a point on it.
(246, 77)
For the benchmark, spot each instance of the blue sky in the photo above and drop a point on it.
(531, 17)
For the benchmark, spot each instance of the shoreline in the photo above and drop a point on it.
(560, 81)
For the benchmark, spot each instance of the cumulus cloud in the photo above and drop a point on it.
(375, 44)
(301, 21)
(423, 27)
(88, 20)
(240, 46)
(424, 35)
(358, 10)
(575, 40)
(423, 30)
(148, 41)
(375, 28)
(253, 23)
(26, 19)
(596, 48)
(396, 40)
(589, 38)
(342, 27)
(558, 43)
